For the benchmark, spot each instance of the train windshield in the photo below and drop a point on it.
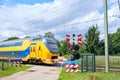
(52, 46)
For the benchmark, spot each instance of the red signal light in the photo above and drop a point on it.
(67, 35)
(80, 39)
(67, 39)
(79, 35)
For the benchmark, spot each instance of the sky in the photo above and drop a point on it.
(21, 18)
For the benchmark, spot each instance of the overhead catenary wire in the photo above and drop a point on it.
(86, 21)
(68, 25)
(65, 25)
(56, 13)
(51, 13)
(35, 31)
(69, 6)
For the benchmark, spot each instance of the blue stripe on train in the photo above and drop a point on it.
(16, 54)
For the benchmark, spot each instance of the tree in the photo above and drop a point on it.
(101, 47)
(92, 39)
(63, 48)
(12, 38)
(49, 34)
(40, 35)
(116, 41)
(27, 37)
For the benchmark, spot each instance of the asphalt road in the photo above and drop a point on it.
(37, 72)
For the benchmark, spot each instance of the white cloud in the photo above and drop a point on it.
(40, 18)
(7, 33)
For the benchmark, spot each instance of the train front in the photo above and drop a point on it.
(53, 51)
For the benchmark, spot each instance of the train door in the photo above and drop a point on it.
(33, 52)
(39, 52)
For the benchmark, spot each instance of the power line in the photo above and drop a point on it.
(35, 31)
(72, 24)
(56, 13)
(75, 23)
(69, 24)
(76, 30)
(53, 13)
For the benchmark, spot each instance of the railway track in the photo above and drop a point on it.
(102, 68)
(110, 68)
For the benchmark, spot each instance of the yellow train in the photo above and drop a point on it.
(37, 50)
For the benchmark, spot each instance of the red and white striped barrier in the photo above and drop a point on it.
(72, 70)
(72, 66)
(54, 60)
(16, 63)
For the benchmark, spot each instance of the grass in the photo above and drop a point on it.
(11, 69)
(89, 76)
(114, 61)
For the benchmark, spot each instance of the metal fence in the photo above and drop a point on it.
(114, 63)
(90, 62)
(87, 62)
(4, 64)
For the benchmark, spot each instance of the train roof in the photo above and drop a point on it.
(31, 39)
(11, 41)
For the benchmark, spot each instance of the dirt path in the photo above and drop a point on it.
(38, 72)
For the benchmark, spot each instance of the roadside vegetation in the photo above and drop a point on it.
(114, 61)
(89, 76)
(9, 70)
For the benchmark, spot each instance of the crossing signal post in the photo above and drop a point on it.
(73, 46)
(73, 39)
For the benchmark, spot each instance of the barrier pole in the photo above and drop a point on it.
(81, 63)
(86, 62)
(93, 62)
(2, 63)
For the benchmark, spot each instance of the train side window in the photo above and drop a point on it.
(31, 49)
(34, 49)
(39, 47)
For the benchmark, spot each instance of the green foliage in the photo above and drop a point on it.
(114, 43)
(49, 35)
(101, 48)
(93, 45)
(27, 37)
(83, 48)
(12, 38)
(63, 48)
(92, 39)
(11, 69)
